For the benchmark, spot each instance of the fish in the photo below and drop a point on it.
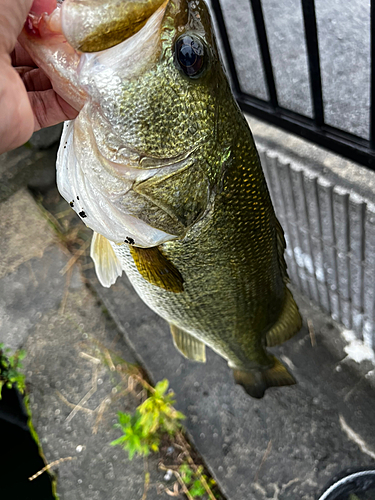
(161, 164)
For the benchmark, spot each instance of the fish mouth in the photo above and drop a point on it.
(47, 38)
(96, 168)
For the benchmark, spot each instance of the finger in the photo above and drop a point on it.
(20, 57)
(12, 17)
(34, 79)
(40, 6)
(17, 120)
(49, 109)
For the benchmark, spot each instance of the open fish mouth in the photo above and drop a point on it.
(60, 39)
(99, 171)
(96, 168)
(115, 156)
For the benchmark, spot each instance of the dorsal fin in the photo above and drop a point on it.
(288, 324)
(281, 246)
(157, 269)
(107, 265)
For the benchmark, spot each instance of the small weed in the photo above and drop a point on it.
(193, 480)
(10, 366)
(153, 418)
(143, 431)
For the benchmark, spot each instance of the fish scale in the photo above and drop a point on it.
(238, 224)
(163, 166)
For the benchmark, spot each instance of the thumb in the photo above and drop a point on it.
(13, 14)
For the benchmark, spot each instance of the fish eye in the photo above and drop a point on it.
(190, 55)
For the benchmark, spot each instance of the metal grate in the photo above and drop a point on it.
(313, 129)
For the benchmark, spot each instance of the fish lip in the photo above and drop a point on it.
(113, 24)
(125, 60)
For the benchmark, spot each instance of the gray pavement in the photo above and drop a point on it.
(285, 446)
(47, 309)
(302, 427)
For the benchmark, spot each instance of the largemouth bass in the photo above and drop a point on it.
(161, 164)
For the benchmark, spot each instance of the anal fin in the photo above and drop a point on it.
(189, 346)
(157, 269)
(288, 324)
(107, 266)
(255, 382)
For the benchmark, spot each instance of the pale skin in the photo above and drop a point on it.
(27, 99)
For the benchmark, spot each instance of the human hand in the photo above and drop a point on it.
(27, 99)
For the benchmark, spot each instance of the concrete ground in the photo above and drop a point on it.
(285, 446)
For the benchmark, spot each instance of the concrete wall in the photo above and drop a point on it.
(326, 206)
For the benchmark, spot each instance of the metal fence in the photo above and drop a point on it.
(314, 129)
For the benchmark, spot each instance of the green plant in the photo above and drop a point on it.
(142, 433)
(193, 480)
(10, 366)
(153, 418)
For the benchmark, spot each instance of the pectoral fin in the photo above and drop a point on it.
(107, 265)
(189, 346)
(157, 269)
(255, 382)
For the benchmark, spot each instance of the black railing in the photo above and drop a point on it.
(313, 129)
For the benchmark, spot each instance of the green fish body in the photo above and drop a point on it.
(166, 173)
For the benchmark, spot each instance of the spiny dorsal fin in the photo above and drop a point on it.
(255, 382)
(188, 345)
(288, 324)
(107, 265)
(157, 269)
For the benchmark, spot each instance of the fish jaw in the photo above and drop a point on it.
(43, 39)
(106, 152)
(87, 182)
(96, 169)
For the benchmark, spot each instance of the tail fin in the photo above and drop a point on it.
(288, 324)
(256, 382)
